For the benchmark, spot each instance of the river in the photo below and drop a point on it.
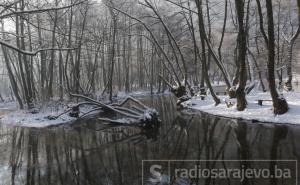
(90, 152)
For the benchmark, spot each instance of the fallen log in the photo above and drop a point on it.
(130, 111)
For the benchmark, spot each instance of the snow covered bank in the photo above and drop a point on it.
(40, 119)
(8, 105)
(42, 116)
(254, 111)
(25, 119)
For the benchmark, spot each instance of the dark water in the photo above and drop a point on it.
(92, 153)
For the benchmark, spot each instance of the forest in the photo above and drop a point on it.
(124, 92)
(53, 49)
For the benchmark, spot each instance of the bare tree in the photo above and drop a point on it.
(242, 52)
(203, 38)
(279, 103)
(291, 42)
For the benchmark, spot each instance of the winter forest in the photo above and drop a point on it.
(54, 48)
(130, 69)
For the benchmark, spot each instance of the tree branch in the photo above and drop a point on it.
(154, 39)
(183, 7)
(34, 53)
(39, 10)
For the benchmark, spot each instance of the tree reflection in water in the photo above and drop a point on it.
(93, 153)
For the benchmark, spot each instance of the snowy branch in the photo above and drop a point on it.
(39, 10)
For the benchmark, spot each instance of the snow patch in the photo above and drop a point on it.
(26, 119)
(40, 119)
(253, 111)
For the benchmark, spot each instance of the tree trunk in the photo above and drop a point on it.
(53, 58)
(219, 63)
(42, 61)
(152, 69)
(290, 52)
(288, 83)
(12, 79)
(60, 74)
(11, 76)
(128, 60)
(77, 74)
(279, 103)
(22, 60)
(242, 51)
(70, 22)
(112, 48)
(204, 66)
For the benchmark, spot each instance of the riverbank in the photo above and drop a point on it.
(40, 118)
(11, 115)
(254, 111)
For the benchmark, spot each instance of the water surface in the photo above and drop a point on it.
(90, 152)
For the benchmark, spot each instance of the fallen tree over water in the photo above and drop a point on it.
(130, 111)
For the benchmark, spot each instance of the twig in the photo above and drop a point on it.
(39, 10)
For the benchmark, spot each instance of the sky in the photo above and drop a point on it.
(9, 25)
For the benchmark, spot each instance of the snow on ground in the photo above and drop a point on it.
(253, 111)
(24, 118)
(10, 114)
(8, 105)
